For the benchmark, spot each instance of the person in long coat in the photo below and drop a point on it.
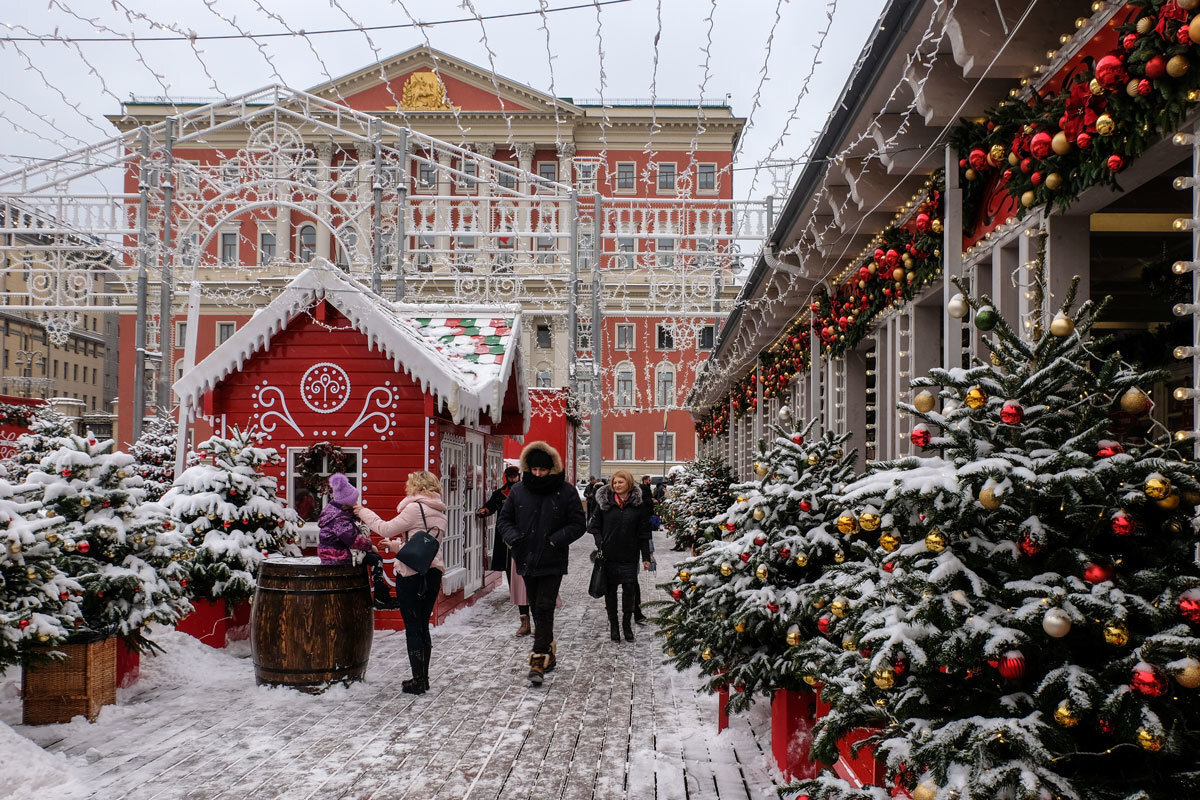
(540, 519)
(621, 526)
(501, 560)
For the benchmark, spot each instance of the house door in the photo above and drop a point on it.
(476, 495)
(454, 496)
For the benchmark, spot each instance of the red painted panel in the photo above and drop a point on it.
(793, 714)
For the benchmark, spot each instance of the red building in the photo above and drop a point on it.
(338, 379)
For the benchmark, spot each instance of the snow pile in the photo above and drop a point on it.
(30, 773)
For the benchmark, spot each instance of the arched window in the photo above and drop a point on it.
(626, 390)
(545, 379)
(308, 242)
(664, 386)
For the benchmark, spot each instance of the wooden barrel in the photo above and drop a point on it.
(311, 623)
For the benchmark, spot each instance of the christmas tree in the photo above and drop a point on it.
(228, 510)
(701, 491)
(45, 431)
(154, 454)
(1033, 627)
(123, 551)
(38, 603)
(742, 605)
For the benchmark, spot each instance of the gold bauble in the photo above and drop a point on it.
(976, 398)
(43, 637)
(988, 498)
(1144, 25)
(1132, 87)
(970, 174)
(839, 607)
(759, 514)
(1095, 86)
(995, 359)
(14, 548)
(801, 560)
(849, 644)
(1177, 66)
(761, 470)
(793, 637)
(924, 401)
(1028, 198)
(884, 678)
(31, 573)
(706, 654)
(869, 521)
(1149, 741)
(684, 575)
(761, 573)
(1135, 401)
(839, 557)
(898, 274)
(1062, 325)
(926, 791)
(1169, 503)
(935, 542)
(847, 524)
(741, 499)
(53, 537)
(1060, 144)
(1054, 181)
(813, 459)
(85, 502)
(996, 155)
(889, 541)
(1013, 159)
(1194, 30)
(1105, 125)
(1189, 676)
(1116, 633)
(739, 626)
(1064, 716)
(726, 570)
(811, 680)
(936, 226)
(1157, 486)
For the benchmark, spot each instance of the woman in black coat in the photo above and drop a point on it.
(621, 525)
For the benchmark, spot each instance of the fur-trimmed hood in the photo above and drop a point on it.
(548, 450)
(605, 499)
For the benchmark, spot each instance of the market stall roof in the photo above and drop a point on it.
(467, 357)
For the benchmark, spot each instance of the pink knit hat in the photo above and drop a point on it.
(343, 491)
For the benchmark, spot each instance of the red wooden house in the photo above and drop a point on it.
(337, 378)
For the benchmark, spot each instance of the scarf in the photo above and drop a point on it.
(546, 484)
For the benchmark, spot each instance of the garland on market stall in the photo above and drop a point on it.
(1051, 148)
(20, 416)
(313, 462)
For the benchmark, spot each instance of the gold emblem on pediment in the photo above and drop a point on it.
(424, 92)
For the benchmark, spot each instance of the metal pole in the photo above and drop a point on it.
(1195, 285)
(166, 286)
(377, 211)
(596, 456)
(951, 260)
(139, 330)
(573, 294)
(402, 215)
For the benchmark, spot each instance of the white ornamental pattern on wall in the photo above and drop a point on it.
(325, 388)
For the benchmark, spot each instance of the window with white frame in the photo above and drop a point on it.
(544, 379)
(225, 330)
(545, 249)
(543, 338)
(229, 248)
(626, 252)
(664, 249)
(625, 386)
(585, 176)
(664, 386)
(586, 245)
(426, 176)
(626, 176)
(706, 337)
(306, 238)
(548, 171)
(706, 177)
(468, 184)
(664, 336)
(625, 336)
(507, 177)
(623, 446)
(666, 176)
(664, 446)
(181, 330)
(308, 492)
(266, 247)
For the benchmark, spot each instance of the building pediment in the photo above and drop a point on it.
(424, 80)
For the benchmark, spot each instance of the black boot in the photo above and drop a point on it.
(626, 626)
(383, 593)
(610, 605)
(425, 665)
(418, 683)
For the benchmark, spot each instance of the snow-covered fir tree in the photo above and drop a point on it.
(154, 454)
(1033, 628)
(742, 607)
(123, 551)
(38, 603)
(700, 492)
(229, 512)
(45, 430)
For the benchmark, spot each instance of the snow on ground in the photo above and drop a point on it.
(612, 721)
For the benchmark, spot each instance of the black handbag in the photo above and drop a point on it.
(598, 585)
(420, 548)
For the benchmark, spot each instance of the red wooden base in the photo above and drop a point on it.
(722, 713)
(793, 714)
(238, 628)
(208, 623)
(129, 665)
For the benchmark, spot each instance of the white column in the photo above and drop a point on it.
(486, 241)
(524, 151)
(324, 162)
(1068, 253)
(951, 259)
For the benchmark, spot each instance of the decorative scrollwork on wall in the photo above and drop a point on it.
(269, 404)
(325, 387)
(383, 417)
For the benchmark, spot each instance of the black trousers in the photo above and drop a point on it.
(542, 591)
(416, 595)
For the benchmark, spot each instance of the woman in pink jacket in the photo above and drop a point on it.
(421, 510)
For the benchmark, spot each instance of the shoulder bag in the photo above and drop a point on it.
(598, 585)
(420, 548)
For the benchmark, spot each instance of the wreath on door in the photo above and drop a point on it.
(317, 463)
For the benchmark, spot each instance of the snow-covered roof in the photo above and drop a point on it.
(463, 355)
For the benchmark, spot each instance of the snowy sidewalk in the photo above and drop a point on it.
(611, 721)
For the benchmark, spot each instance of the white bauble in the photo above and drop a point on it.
(1056, 623)
(957, 307)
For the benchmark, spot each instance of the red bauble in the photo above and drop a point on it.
(785, 553)
(823, 623)
(23, 624)
(1041, 144)
(1189, 605)
(183, 582)
(900, 667)
(1026, 165)
(228, 524)
(1110, 71)
(864, 274)
(677, 593)
(1145, 87)
(1156, 68)
(978, 159)
(888, 566)
(1036, 179)
(1029, 547)
(923, 222)
(66, 473)
(729, 526)
(879, 250)
(892, 257)
(1148, 680)
(1129, 42)
(1011, 413)
(920, 436)
(1123, 524)
(1097, 573)
(1105, 726)
(84, 547)
(805, 506)
(1012, 665)
(1083, 140)
(744, 557)
(1116, 163)
(1108, 449)
(64, 597)
(773, 608)
(1183, 35)
(760, 540)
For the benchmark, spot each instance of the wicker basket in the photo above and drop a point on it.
(57, 691)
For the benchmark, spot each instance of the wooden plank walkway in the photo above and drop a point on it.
(612, 721)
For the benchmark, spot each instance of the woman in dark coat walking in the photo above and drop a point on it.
(621, 525)
(540, 519)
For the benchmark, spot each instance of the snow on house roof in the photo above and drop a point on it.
(463, 355)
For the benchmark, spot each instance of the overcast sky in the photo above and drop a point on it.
(55, 94)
